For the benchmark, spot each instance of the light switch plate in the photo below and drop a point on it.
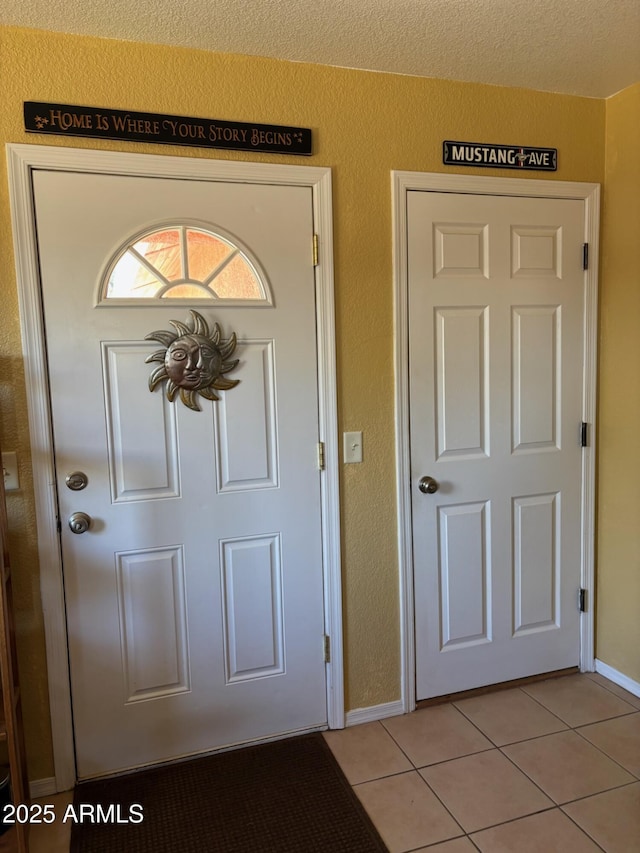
(352, 446)
(10, 471)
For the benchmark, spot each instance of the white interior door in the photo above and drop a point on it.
(195, 599)
(496, 375)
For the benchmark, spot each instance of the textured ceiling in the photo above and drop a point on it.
(580, 47)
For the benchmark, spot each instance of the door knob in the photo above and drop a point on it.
(428, 485)
(79, 522)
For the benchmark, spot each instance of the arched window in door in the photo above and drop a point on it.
(182, 262)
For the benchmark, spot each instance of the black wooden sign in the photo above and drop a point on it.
(499, 156)
(105, 123)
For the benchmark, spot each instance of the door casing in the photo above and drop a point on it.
(22, 161)
(402, 183)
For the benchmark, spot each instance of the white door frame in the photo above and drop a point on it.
(402, 183)
(22, 161)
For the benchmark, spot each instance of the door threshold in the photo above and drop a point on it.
(494, 688)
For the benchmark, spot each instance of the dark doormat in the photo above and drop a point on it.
(289, 796)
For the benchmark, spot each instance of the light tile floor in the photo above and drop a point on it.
(553, 767)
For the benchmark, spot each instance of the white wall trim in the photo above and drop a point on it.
(374, 712)
(617, 677)
(402, 183)
(328, 414)
(22, 161)
(43, 788)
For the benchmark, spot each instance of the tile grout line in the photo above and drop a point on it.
(597, 793)
(523, 740)
(601, 720)
(577, 799)
(583, 829)
(424, 781)
(542, 811)
(582, 725)
(542, 705)
(478, 752)
(606, 754)
(555, 805)
(417, 769)
(526, 740)
(613, 693)
(559, 807)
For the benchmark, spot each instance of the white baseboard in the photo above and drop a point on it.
(374, 712)
(43, 788)
(618, 677)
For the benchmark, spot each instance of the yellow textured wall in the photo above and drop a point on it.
(618, 625)
(364, 125)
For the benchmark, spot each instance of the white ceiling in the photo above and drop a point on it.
(580, 47)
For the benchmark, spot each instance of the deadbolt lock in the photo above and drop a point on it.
(76, 481)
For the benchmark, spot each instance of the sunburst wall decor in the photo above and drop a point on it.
(193, 360)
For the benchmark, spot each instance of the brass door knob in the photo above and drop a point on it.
(79, 522)
(427, 485)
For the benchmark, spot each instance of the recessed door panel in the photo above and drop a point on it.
(536, 371)
(254, 630)
(536, 252)
(461, 379)
(465, 574)
(143, 443)
(536, 562)
(460, 249)
(153, 622)
(247, 425)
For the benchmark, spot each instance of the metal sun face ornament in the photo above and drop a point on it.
(193, 361)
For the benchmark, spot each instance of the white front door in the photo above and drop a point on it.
(195, 598)
(496, 383)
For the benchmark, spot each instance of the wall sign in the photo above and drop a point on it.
(105, 123)
(499, 156)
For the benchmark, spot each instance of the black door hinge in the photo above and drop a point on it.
(585, 256)
(583, 434)
(582, 600)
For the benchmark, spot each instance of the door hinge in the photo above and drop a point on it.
(585, 256)
(582, 600)
(315, 250)
(321, 461)
(326, 648)
(584, 442)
